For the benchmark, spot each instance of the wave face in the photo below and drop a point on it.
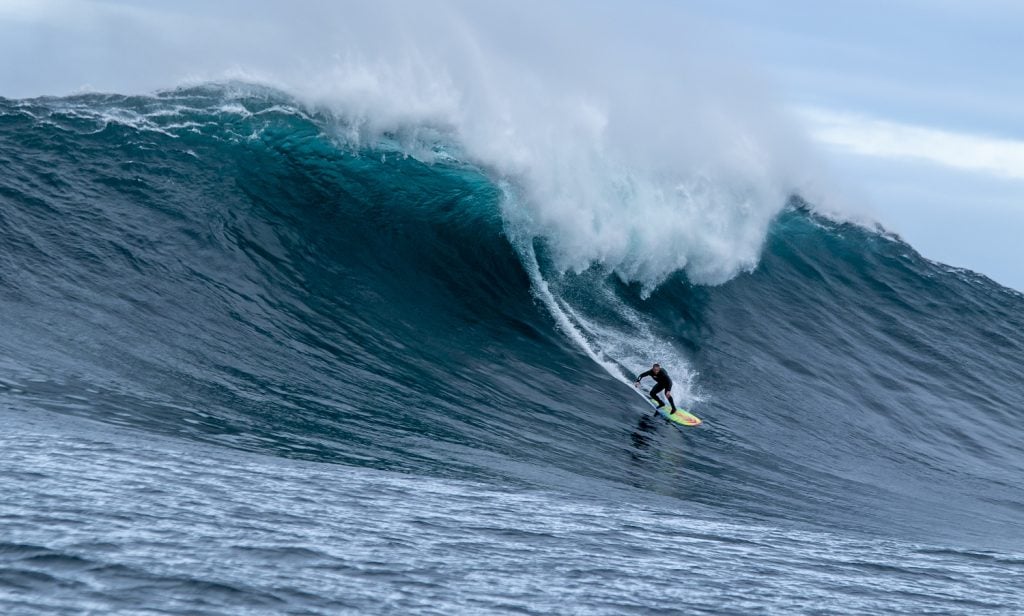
(223, 265)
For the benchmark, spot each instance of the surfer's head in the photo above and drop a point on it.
(656, 368)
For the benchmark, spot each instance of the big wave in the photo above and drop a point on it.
(227, 263)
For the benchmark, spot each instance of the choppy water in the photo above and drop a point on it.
(100, 524)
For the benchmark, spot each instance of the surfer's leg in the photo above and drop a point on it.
(668, 394)
(654, 394)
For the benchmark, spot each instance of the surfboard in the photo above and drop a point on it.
(681, 416)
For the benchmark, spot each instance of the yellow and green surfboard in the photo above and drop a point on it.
(681, 416)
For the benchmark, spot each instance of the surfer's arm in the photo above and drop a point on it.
(642, 375)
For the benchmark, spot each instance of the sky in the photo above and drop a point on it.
(915, 107)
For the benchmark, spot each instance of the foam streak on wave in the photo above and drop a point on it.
(619, 350)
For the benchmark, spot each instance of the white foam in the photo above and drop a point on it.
(630, 156)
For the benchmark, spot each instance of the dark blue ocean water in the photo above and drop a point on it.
(248, 367)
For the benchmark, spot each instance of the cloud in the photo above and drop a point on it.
(864, 135)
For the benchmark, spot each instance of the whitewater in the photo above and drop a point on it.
(358, 336)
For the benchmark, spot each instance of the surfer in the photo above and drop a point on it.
(662, 382)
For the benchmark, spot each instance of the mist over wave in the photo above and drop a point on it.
(628, 139)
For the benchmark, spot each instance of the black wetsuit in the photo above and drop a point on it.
(662, 381)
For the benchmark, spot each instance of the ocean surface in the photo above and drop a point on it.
(255, 362)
